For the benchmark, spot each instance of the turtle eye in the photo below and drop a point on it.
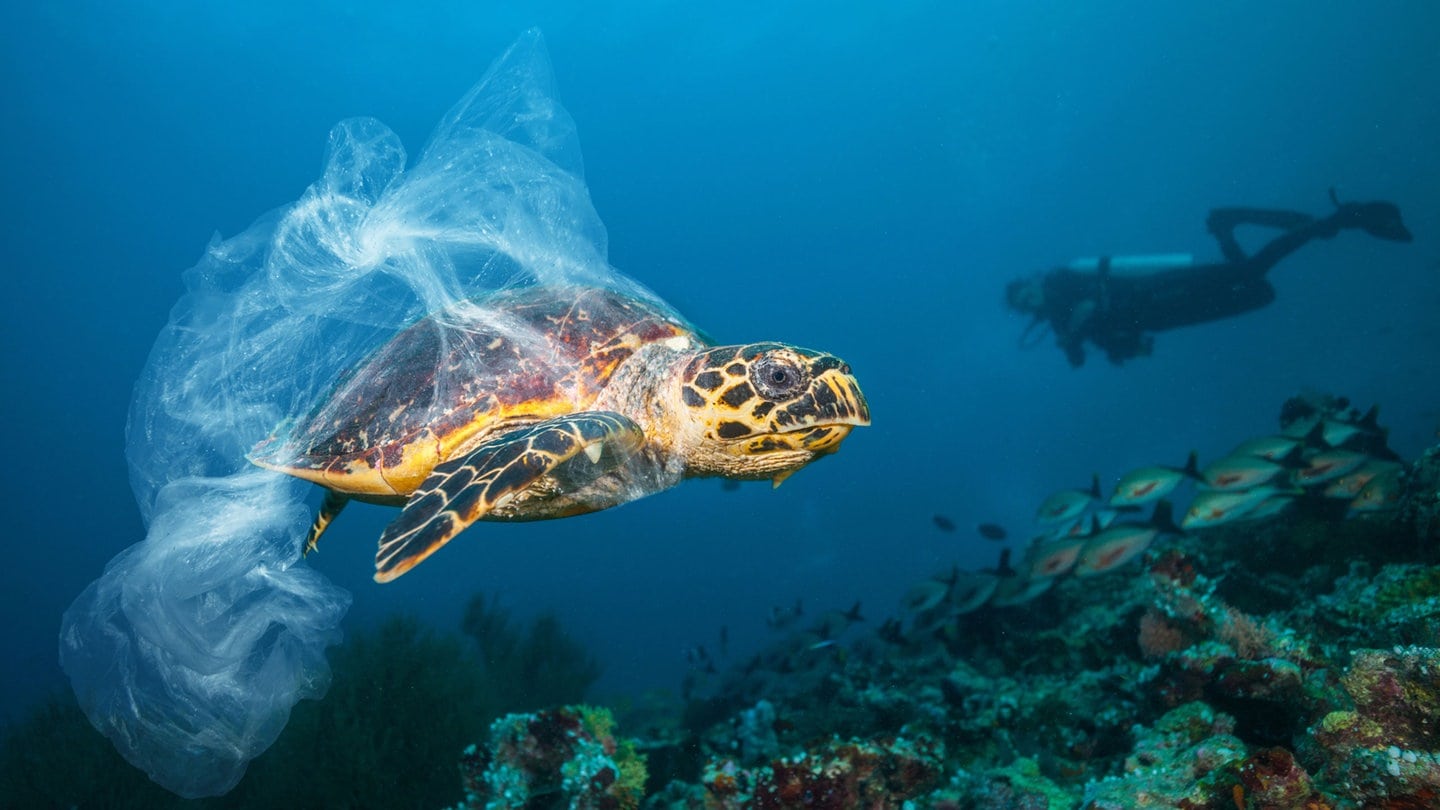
(777, 377)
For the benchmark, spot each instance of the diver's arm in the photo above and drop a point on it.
(1078, 324)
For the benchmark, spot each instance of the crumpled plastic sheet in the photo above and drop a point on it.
(191, 648)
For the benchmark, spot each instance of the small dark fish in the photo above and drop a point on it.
(730, 485)
(835, 622)
(781, 617)
(696, 655)
(991, 531)
(891, 633)
(943, 523)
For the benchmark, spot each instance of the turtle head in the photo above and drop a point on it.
(764, 410)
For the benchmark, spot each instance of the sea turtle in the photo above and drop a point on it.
(545, 402)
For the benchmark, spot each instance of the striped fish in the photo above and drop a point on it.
(1217, 507)
(1381, 493)
(1123, 542)
(1068, 504)
(1053, 558)
(1350, 484)
(1150, 484)
(1327, 465)
(1240, 472)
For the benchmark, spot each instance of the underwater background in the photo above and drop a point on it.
(865, 180)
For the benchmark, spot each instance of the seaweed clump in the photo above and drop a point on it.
(403, 702)
(526, 668)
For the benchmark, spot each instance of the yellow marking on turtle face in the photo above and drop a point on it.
(593, 451)
(765, 410)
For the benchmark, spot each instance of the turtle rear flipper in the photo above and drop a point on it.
(575, 449)
(334, 502)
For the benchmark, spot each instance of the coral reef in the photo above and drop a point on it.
(1177, 762)
(1388, 746)
(562, 757)
(1290, 662)
(1420, 507)
(829, 775)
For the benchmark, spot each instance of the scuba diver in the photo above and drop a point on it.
(1117, 302)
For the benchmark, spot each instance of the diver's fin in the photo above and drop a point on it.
(329, 508)
(578, 447)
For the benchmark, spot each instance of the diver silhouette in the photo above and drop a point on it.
(1117, 302)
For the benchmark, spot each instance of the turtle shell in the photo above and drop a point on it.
(444, 384)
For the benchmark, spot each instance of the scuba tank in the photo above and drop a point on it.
(1136, 264)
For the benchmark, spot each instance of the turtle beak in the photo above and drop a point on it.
(792, 406)
(824, 438)
(839, 406)
(825, 413)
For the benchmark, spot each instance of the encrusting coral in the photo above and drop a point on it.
(562, 757)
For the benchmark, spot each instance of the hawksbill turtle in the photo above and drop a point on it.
(546, 402)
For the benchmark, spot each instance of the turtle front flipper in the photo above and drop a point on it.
(571, 450)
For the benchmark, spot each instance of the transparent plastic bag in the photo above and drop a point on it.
(192, 647)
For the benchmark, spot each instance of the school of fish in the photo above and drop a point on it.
(1325, 452)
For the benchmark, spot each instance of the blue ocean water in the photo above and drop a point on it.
(862, 181)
